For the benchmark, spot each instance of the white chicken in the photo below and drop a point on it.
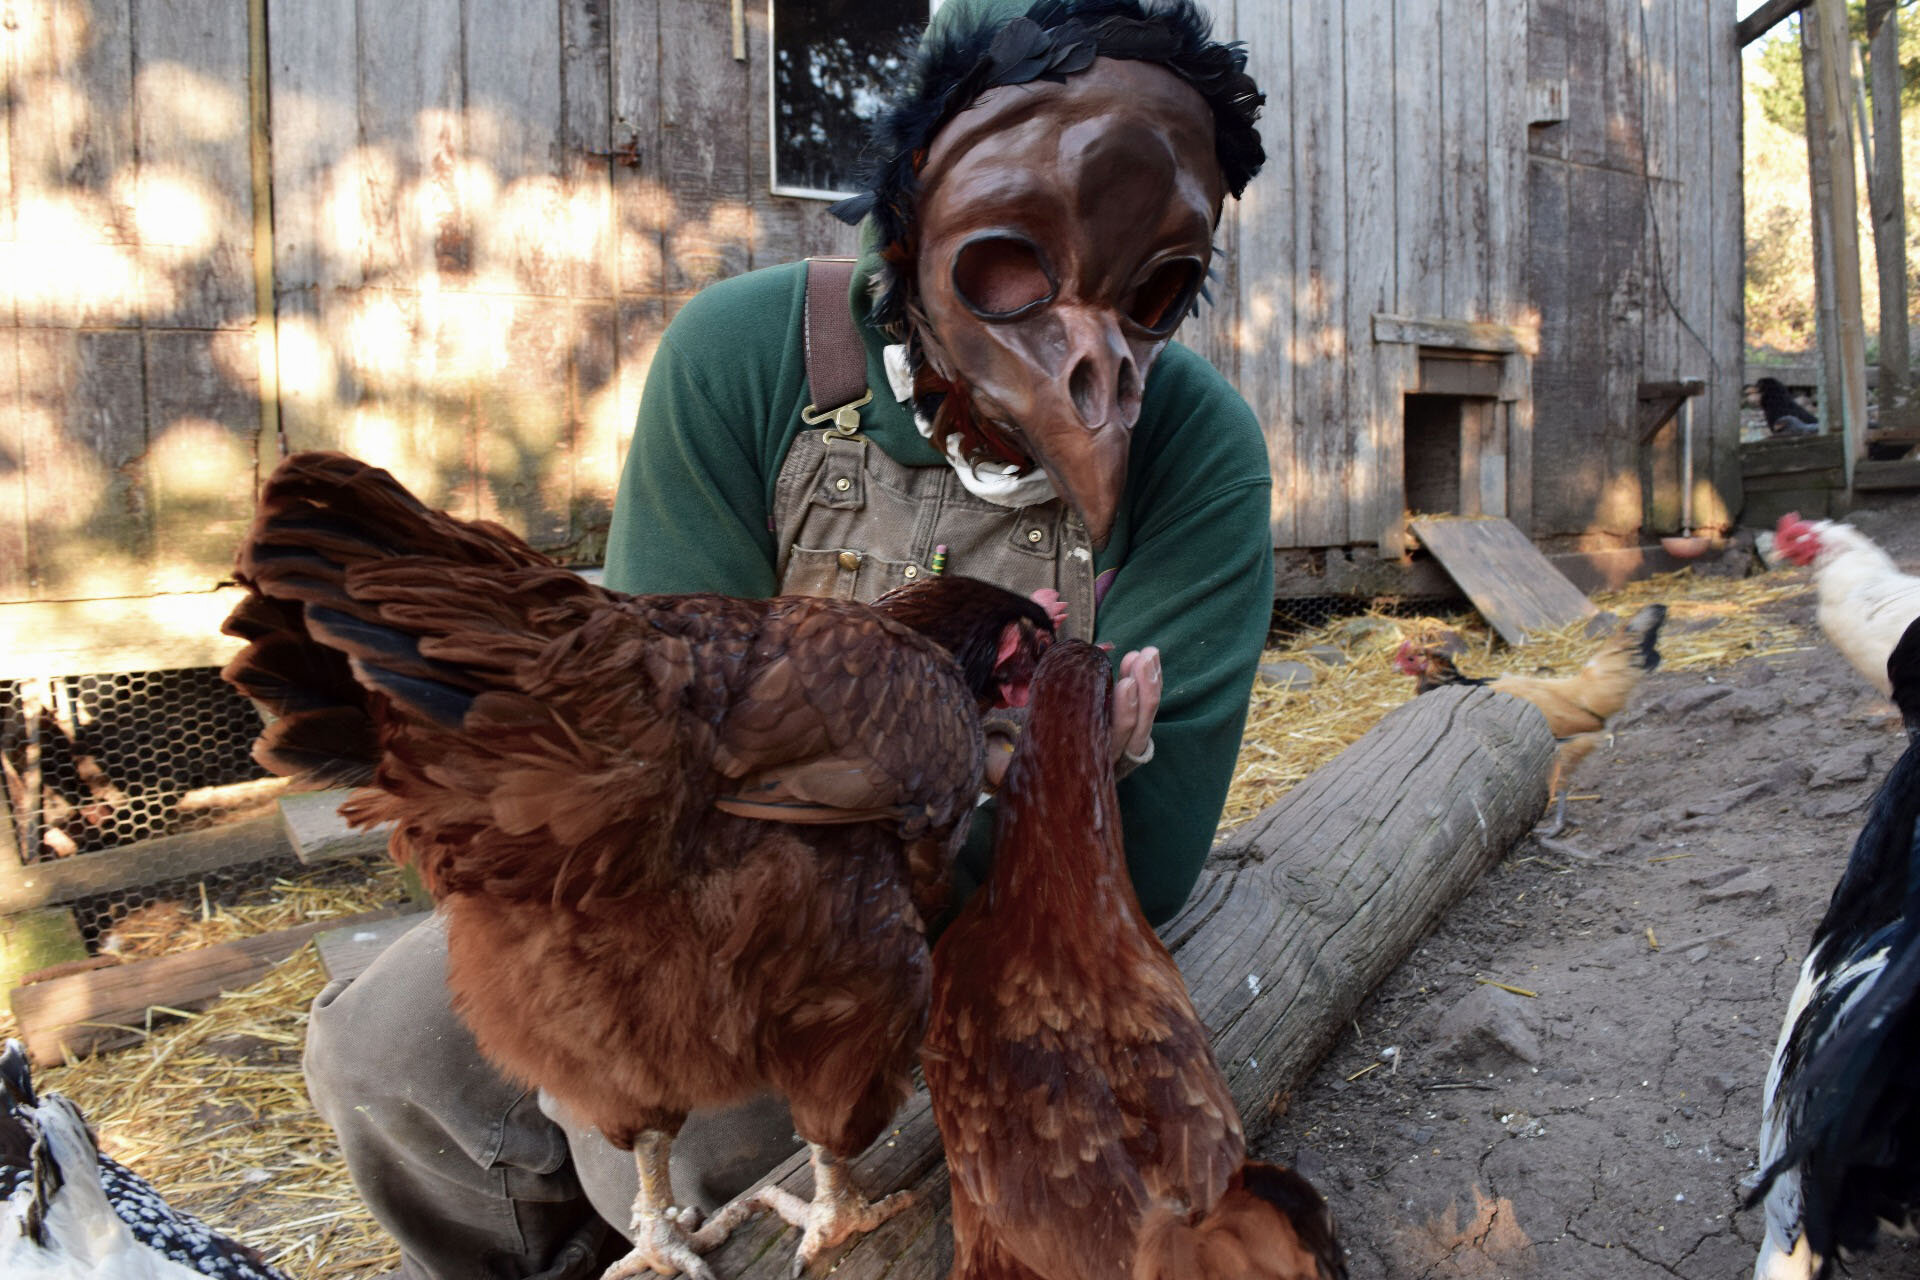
(73, 1214)
(1866, 603)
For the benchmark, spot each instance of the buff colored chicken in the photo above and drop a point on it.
(1577, 707)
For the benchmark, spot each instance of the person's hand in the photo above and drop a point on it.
(1136, 700)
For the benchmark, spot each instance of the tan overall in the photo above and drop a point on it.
(851, 522)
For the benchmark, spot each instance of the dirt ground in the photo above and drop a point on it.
(1601, 1126)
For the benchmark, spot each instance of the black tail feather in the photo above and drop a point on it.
(1646, 625)
(1903, 672)
(1306, 1209)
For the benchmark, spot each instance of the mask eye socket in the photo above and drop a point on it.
(1163, 299)
(1001, 277)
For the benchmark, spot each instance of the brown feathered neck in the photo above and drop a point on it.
(1059, 846)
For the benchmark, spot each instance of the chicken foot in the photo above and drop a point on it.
(664, 1237)
(1559, 822)
(837, 1211)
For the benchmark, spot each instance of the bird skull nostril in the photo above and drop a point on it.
(1083, 387)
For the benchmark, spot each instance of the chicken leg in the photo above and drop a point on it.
(837, 1211)
(665, 1238)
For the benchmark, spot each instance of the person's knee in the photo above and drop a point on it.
(387, 1030)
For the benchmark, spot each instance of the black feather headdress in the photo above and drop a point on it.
(979, 50)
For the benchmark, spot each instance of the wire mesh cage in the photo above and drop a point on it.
(97, 767)
(1295, 616)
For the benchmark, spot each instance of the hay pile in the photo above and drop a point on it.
(214, 1111)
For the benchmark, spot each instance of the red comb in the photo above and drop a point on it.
(1794, 539)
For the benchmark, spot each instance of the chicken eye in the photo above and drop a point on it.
(1000, 277)
(1164, 298)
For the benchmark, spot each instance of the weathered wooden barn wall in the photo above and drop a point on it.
(1492, 161)
(483, 213)
(128, 405)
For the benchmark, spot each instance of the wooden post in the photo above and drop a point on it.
(1298, 916)
(1824, 43)
(1887, 198)
(266, 338)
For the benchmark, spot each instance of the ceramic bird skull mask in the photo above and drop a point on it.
(1064, 229)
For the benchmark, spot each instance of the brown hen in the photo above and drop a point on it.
(684, 845)
(1577, 707)
(1089, 1132)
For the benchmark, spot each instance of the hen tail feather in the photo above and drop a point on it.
(1644, 629)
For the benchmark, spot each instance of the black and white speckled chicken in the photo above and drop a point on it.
(1840, 1119)
(72, 1213)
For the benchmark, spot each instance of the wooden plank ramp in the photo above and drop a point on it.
(1515, 587)
(1298, 916)
(107, 1008)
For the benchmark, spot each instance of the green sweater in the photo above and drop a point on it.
(1190, 542)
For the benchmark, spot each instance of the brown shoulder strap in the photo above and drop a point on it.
(836, 358)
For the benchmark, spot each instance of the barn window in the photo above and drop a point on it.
(833, 63)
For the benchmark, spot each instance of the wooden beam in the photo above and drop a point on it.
(195, 853)
(1766, 18)
(144, 633)
(106, 1008)
(1903, 473)
(1458, 335)
(1659, 401)
(1887, 199)
(346, 952)
(1316, 900)
(1826, 45)
(318, 833)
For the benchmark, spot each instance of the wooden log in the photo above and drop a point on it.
(106, 1008)
(1297, 917)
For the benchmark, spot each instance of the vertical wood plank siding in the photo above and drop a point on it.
(485, 212)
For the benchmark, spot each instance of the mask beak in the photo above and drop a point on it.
(1083, 425)
(1088, 466)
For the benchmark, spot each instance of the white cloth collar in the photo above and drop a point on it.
(1000, 483)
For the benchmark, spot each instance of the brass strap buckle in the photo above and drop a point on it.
(846, 419)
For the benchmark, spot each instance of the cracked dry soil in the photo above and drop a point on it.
(1661, 963)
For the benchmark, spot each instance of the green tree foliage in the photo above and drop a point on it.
(1780, 300)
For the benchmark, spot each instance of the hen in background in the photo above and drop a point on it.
(1785, 416)
(1866, 603)
(684, 845)
(74, 1214)
(1577, 707)
(1088, 1130)
(1840, 1120)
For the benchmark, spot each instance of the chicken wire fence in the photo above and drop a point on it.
(95, 764)
(1294, 616)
